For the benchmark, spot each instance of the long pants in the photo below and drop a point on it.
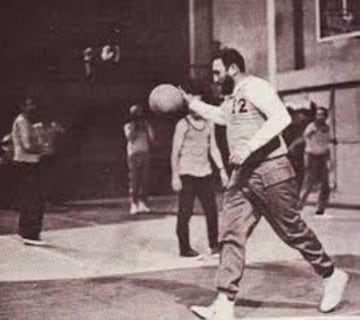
(31, 200)
(139, 166)
(271, 192)
(202, 188)
(317, 173)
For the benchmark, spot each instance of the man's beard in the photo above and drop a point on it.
(227, 86)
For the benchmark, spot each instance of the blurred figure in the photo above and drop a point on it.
(193, 142)
(27, 154)
(49, 134)
(140, 135)
(110, 53)
(89, 63)
(317, 160)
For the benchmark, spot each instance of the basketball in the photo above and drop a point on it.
(165, 98)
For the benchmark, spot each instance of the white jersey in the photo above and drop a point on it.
(244, 117)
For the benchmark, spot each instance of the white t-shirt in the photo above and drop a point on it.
(23, 135)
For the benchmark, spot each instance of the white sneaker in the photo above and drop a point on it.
(221, 309)
(134, 209)
(334, 287)
(143, 207)
(33, 242)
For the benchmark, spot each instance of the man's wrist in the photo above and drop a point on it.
(192, 105)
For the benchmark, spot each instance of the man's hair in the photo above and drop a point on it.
(231, 56)
(323, 109)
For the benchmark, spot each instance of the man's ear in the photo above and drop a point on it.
(233, 69)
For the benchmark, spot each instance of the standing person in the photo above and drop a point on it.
(193, 142)
(140, 135)
(317, 160)
(89, 63)
(26, 159)
(254, 115)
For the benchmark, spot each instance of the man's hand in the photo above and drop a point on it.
(239, 156)
(176, 183)
(224, 177)
(186, 96)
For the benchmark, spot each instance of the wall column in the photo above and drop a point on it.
(271, 41)
(200, 38)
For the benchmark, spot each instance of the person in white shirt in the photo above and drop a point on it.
(193, 145)
(317, 160)
(26, 157)
(139, 134)
(262, 184)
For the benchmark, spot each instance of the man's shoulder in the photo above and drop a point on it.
(254, 81)
(254, 85)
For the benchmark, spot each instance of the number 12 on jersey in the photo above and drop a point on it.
(239, 106)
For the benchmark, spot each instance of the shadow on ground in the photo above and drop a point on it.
(78, 218)
(268, 289)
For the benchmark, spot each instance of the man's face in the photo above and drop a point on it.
(221, 77)
(320, 116)
(219, 71)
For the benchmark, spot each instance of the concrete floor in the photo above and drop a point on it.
(118, 267)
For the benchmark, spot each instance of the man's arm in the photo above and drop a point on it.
(178, 140)
(206, 111)
(309, 130)
(264, 97)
